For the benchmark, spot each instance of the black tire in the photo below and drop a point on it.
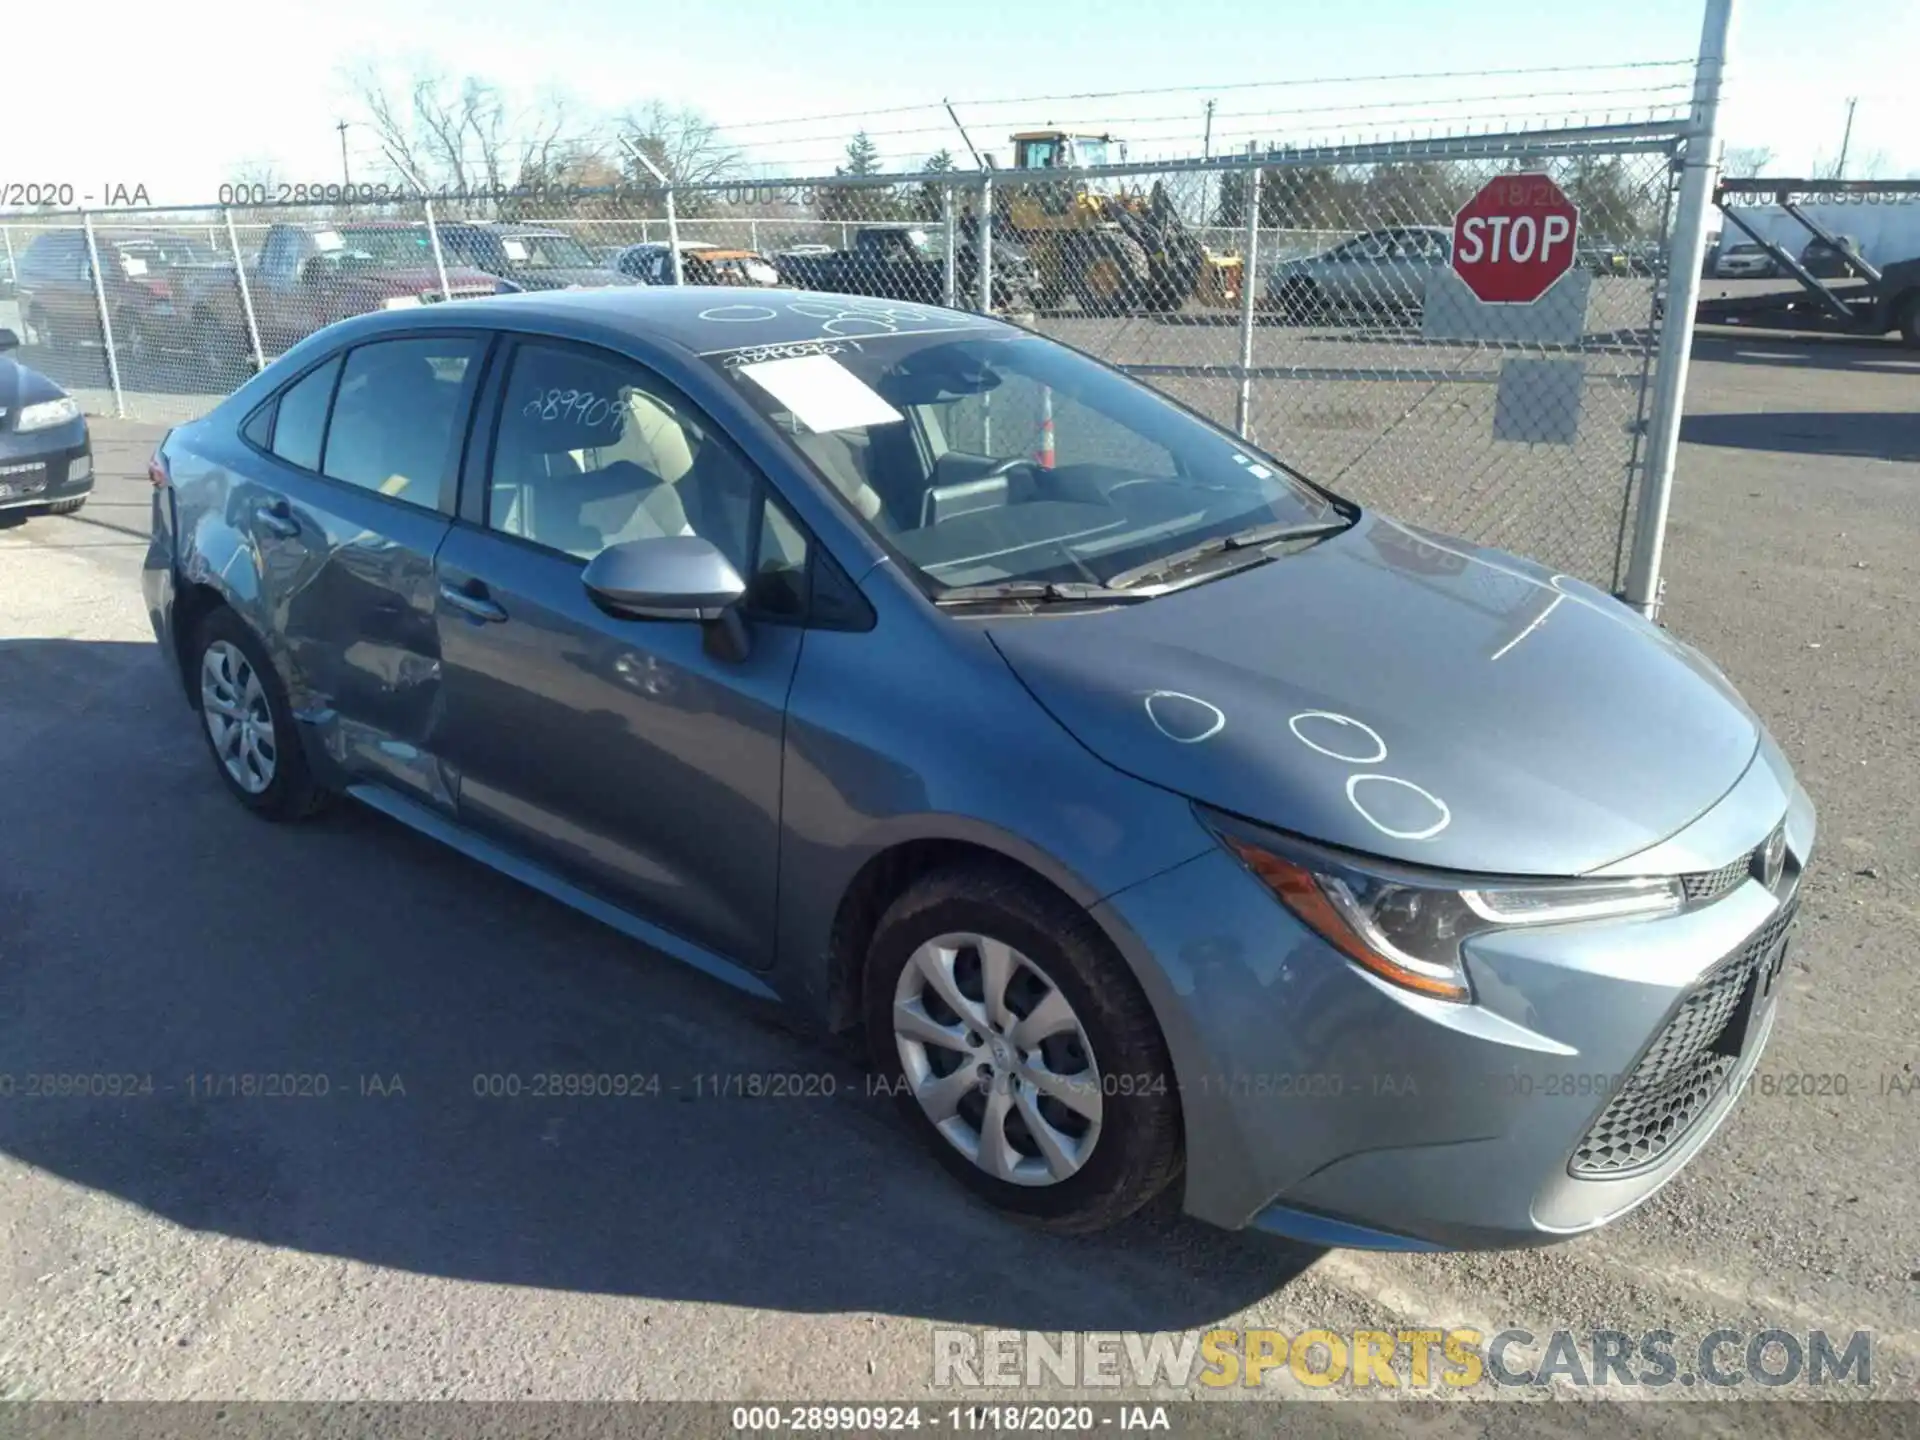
(1138, 1151)
(225, 359)
(66, 507)
(1300, 302)
(1910, 319)
(292, 794)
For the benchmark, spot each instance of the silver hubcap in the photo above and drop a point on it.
(997, 1059)
(238, 718)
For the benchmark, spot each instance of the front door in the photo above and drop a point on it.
(619, 751)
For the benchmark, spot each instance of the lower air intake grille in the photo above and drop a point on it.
(1678, 1078)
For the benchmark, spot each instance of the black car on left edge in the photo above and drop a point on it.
(46, 455)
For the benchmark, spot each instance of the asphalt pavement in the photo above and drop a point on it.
(374, 1222)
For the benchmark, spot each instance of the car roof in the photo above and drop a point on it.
(705, 319)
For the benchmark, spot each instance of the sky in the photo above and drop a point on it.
(177, 107)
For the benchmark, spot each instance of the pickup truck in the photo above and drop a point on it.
(308, 276)
(900, 263)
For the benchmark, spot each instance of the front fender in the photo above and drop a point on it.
(948, 746)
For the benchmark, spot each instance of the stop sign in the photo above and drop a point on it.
(1514, 239)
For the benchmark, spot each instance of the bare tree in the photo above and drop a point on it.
(468, 134)
(684, 143)
(257, 174)
(1743, 162)
(1861, 165)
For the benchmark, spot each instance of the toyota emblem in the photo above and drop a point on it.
(1773, 860)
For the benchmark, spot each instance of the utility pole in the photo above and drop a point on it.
(1846, 136)
(1206, 180)
(346, 176)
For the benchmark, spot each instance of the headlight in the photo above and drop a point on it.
(1407, 926)
(400, 302)
(47, 413)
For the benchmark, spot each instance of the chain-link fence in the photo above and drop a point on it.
(1309, 299)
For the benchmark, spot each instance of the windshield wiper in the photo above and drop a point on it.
(1038, 592)
(1253, 537)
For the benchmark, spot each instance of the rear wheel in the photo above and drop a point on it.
(1910, 318)
(1021, 1049)
(247, 721)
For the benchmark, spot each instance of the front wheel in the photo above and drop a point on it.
(248, 723)
(1022, 1050)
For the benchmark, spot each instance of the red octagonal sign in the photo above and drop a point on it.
(1515, 238)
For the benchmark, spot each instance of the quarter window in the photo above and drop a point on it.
(397, 415)
(302, 426)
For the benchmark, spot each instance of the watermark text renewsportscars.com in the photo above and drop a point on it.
(1407, 1359)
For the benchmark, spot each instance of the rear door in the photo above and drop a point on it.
(619, 751)
(346, 511)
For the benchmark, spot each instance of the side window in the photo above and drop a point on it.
(302, 425)
(594, 450)
(398, 414)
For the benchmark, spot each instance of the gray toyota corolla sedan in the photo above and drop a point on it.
(1152, 815)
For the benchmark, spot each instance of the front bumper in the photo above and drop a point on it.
(44, 467)
(1328, 1105)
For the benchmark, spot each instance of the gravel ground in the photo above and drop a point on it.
(435, 1244)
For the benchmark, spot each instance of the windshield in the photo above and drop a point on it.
(377, 244)
(159, 252)
(980, 458)
(547, 252)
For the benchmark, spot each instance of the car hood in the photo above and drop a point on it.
(1404, 694)
(21, 386)
(559, 278)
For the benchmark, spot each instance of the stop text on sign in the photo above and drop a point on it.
(1525, 238)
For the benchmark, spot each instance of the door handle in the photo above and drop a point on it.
(276, 518)
(474, 600)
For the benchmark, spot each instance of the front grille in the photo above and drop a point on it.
(1684, 1069)
(1712, 884)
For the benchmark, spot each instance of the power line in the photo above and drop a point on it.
(1647, 92)
(1241, 85)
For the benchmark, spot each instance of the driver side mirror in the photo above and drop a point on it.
(311, 270)
(673, 577)
(9, 340)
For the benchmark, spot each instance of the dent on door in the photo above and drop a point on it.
(358, 611)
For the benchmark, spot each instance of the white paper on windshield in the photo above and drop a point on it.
(326, 241)
(822, 393)
(133, 265)
(516, 249)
